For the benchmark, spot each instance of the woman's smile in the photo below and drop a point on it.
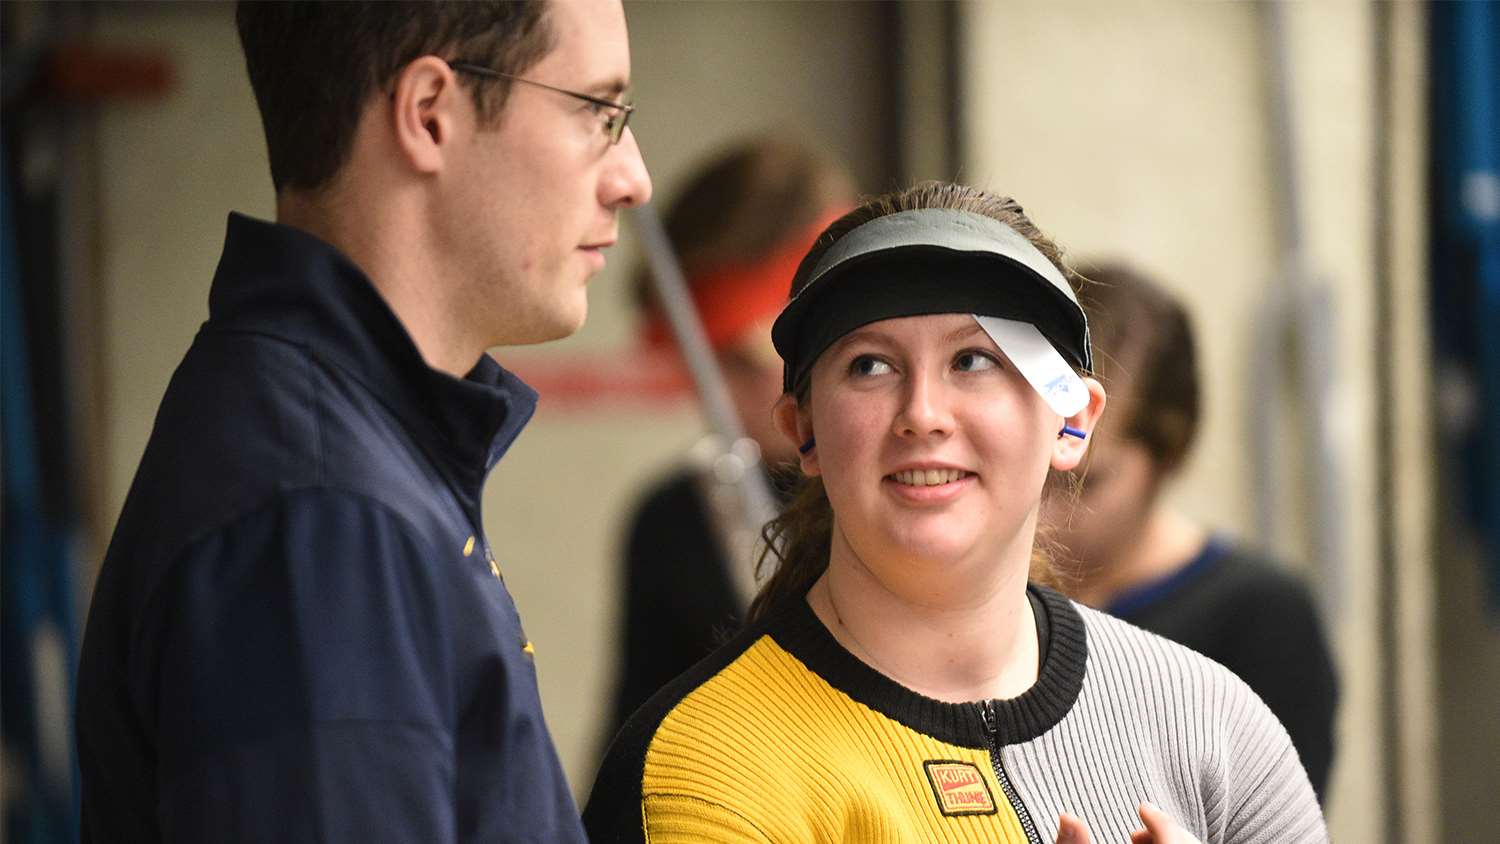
(929, 484)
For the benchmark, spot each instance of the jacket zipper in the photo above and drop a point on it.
(992, 727)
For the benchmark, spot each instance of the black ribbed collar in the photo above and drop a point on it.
(797, 629)
(283, 282)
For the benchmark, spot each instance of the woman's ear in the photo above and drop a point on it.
(1069, 449)
(793, 425)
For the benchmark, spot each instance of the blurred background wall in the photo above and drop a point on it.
(1270, 164)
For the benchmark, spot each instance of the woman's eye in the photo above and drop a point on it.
(868, 365)
(974, 362)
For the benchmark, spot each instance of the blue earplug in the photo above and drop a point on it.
(807, 446)
(1070, 431)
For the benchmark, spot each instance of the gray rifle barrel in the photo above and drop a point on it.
(672, 291)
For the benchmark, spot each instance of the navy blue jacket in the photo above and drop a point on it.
(299, 632)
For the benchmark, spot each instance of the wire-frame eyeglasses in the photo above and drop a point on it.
(616, 115)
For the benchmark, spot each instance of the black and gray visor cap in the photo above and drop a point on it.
(921, 262)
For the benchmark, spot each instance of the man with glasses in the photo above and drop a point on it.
(300, 630)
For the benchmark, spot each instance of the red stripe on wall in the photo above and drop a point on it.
(595, 382)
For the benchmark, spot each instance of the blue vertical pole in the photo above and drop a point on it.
(1466, 241)
(36, 597)
(1478, 54)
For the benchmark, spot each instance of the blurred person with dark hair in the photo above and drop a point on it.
(1136, 557)
(741, 224)
(300, 631)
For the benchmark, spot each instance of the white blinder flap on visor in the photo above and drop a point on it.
(1041, 365)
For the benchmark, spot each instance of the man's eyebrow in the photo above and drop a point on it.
(610, 89)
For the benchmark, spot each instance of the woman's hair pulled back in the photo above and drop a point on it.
(798, 542)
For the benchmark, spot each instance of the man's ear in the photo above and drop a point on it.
(1068, 450)
(793, 425)
(424, 106)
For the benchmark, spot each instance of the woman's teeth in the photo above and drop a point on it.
(927, 477)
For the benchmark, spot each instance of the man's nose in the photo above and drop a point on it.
(626, 183)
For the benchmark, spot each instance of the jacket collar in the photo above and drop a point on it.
(284, 282)
(797, 629)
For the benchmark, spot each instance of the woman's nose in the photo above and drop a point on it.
(924, 408)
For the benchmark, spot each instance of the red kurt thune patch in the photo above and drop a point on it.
(959, 787)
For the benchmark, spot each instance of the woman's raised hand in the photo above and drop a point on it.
(1070, 830)
(1160, 829)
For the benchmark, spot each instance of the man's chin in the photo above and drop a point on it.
(556, 326)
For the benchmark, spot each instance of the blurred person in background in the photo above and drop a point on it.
(739, 226)
(300, 631)
(1123, 549)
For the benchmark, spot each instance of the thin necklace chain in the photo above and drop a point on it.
(863, 652)
(859, 646)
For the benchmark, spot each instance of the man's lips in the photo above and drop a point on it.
(595, 252)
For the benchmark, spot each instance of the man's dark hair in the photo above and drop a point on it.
(314, 65)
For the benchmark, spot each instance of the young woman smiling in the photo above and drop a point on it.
(901, 679)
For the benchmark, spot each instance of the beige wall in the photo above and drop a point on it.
(1142, 129)
(1133, 129)
(1414, 470)
(170, 171)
